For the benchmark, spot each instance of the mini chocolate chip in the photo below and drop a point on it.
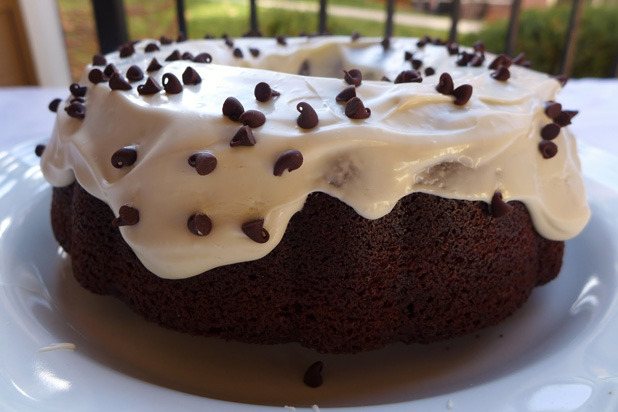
(386, 43)
(462, 94)
(477, 60)
(463, 59)
(110, 69)
(355, 109)
(150, 87)
(521, 58)
(181, 37)
(263, 92)
(151, 47)
(502, 74)
(313, 375)
(96, 76)
(438, 42)
(134, 74)
(243, 137)
(203, 162)
(238, 53)
(429, 71)
(165, 40)
(479, 46)
(452, 48)
(175, 55)
(77, 90)
(563, 119)
(500, 60)
(127, 216)
(190, 76)
(304, 69)
(548, 149)
(255, 231)
(126, 50)
(117, 82)
(561, 78)
(171, 84)
(254, 52)
(550, 131)
(498, 206)
(552, 109)
(99, 60)
(571, 113)
(76, 110)
(385, 79)
(199, 224)
(232, 108)
(53, 105)
(154, 65)
(409, 76)
(416, 64)
(39, 149)
(421, 43)
(408, 56)
(355, 36)
(203, 58)
(124, 157)
(252, 118)
(308, 118)
(353, 76)
(346, 94)
(289, 160)
(281, 40)
(187, 56)
(229, 43)
(445, 85)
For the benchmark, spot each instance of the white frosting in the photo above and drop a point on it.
(416, 140)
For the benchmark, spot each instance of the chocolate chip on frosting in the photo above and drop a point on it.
(263, 92)
(409, 76)
(355, 109)
(308, 118)
(203, 58)
(127, 216)
(199, 224)
(477, 60)
(150, 87)
(127, 50)
(243, 137)
(175, 55)
(39, 149)
(255, 231)
(445, 84)
(463, 59)
(548, 149)
(313, 375)
(346, 94)
(289, 160)
(499, 207)
(462, 94)
(238, 53)
(281, 40)
(552, 109)
(416, 64)
(77, 90)
(232, 108)
(76, 110)
(501, 74)
(117, 82)
(479, 46)
(203, 162)
(254, 52)
(171, 84)
(408, 56)
(354, 77)
(96, 76)
(124, 157)
(430, 71)
(181, 37)
(252, 118)
(53, 105)
(110, 69)
(190, 76)
(452, 48)
(99, 60)
(187, 56)
(550, 131)
(151, 47)
(500, 60)
(563, 119)
(134, 74)
(154, 65)
(571, 113)
(355, 36)
(386, 43)
(520, 59)
(165, 40)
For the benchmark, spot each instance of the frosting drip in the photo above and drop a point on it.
(415, 139)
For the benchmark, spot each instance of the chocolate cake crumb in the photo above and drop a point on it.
(243, 137)
(232, 108)
(548, 149)
(550, 131)
(124, 157)
(117, 82)
(134, 73)
(127, 216)
(308, 118)
(110, 69)
(203, 58)
(175, 55)
(552, 109)
(313, 376)
(76, 110)
(99, 60)
(498, 206)
(39, 149)
(77, 90)
(263, 92)
(171, 84)
(355, 109)
(154, 65)
(96, 76)
(354, 77)
(190, 76)
(289, 160)
(445, 84)
(199, 224)
(53, 105)
(150, 87)
(252, 118)
(204, 163)
(151, 47)
(255, 231)
(346, 94)
(462, 94)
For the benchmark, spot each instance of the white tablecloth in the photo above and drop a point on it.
(24, 114)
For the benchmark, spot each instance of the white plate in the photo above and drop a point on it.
(558, 353)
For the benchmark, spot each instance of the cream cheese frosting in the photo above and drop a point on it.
(415, 140)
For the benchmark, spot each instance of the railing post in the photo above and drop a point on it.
(180, 16)
(109, 17)
(253, 17)
(569, 48)
(390, 11)
(455, 12)
(511, 34)
(322, 18)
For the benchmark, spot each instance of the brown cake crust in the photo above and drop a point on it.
(431, 269)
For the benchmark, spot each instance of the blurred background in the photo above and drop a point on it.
(541, 36)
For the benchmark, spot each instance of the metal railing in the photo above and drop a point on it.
(112, 28)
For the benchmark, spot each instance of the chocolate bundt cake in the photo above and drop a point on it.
(275, 191)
